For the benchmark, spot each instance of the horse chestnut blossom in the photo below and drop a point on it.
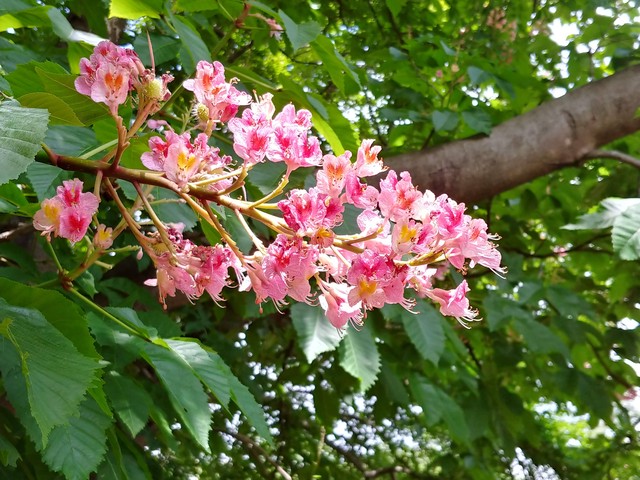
(398, 247)
(68, 214)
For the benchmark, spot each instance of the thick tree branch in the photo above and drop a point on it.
(557, 134)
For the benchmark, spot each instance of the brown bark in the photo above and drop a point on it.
(557, 134)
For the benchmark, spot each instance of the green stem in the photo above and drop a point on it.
(98, 309)
(99, 149)
(55, 257)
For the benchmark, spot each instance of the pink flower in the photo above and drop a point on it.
(360, 194)
(308, 212)
(454, 302)
(183, 161)
(333, 301)
(109, 75)
(213, 274)
(211, 89)
(376, 280)
(251, 135)
(290, 142)
(368, 163)
(103, 239)
(68, 214)
(288, 265)
(333, 175)
(47, 219)
(399, 198)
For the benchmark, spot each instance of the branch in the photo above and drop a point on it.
(254, 447)
(557, 134)
(615, 155)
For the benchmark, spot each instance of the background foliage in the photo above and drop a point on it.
(543, 387)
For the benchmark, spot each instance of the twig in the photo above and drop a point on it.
(615, 155)
(254, 446)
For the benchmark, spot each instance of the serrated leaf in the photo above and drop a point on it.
(336, 66)
(9, 455)
(63, 87)
(193, 47)
(625, 234)
(437, 405)
(315, 333)
(165, 48)
(72, 141)
(135, 9)
(500, 310)
(59, 311)
(477, 75)
(76, 449)
(206, 367)
(22, 130)
(359, 356)
(24, 79)
(425, 331)
(59, 112)
(55, 374)
(129, 400)
(45, 178)
(299, 34)
(251, 409)
(612, 209)
(540, 338)
(185, 392)
(444, 120)
(478, 120)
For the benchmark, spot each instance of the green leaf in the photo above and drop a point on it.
(625, 234)
(359, 356)
(194, 6)
(207, 367)
(135, 9)
(613, 208)
(425, 332)
(129, 400)
(336, 66)
(444, 120)
(9, 455)
(478, 120)
(193, 48)
(437, 405)
(59, 311)
(72, 141)
(477, 75)
(62, 86)
(77, 448)
(55, 374)
(45, 178)
(315, 333)
(22, 130)
(25, 79)
(185, 392)
(539, 338)
(299, 34)
(251, 409)
(500, 310)
(165, 48)
(59, 112)
(395, 6)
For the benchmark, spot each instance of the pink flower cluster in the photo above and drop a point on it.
(183, 161)
(68, 214)
(285, 138)
(111, 72)
(192, 269)
(219, 98)
(403, 239)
